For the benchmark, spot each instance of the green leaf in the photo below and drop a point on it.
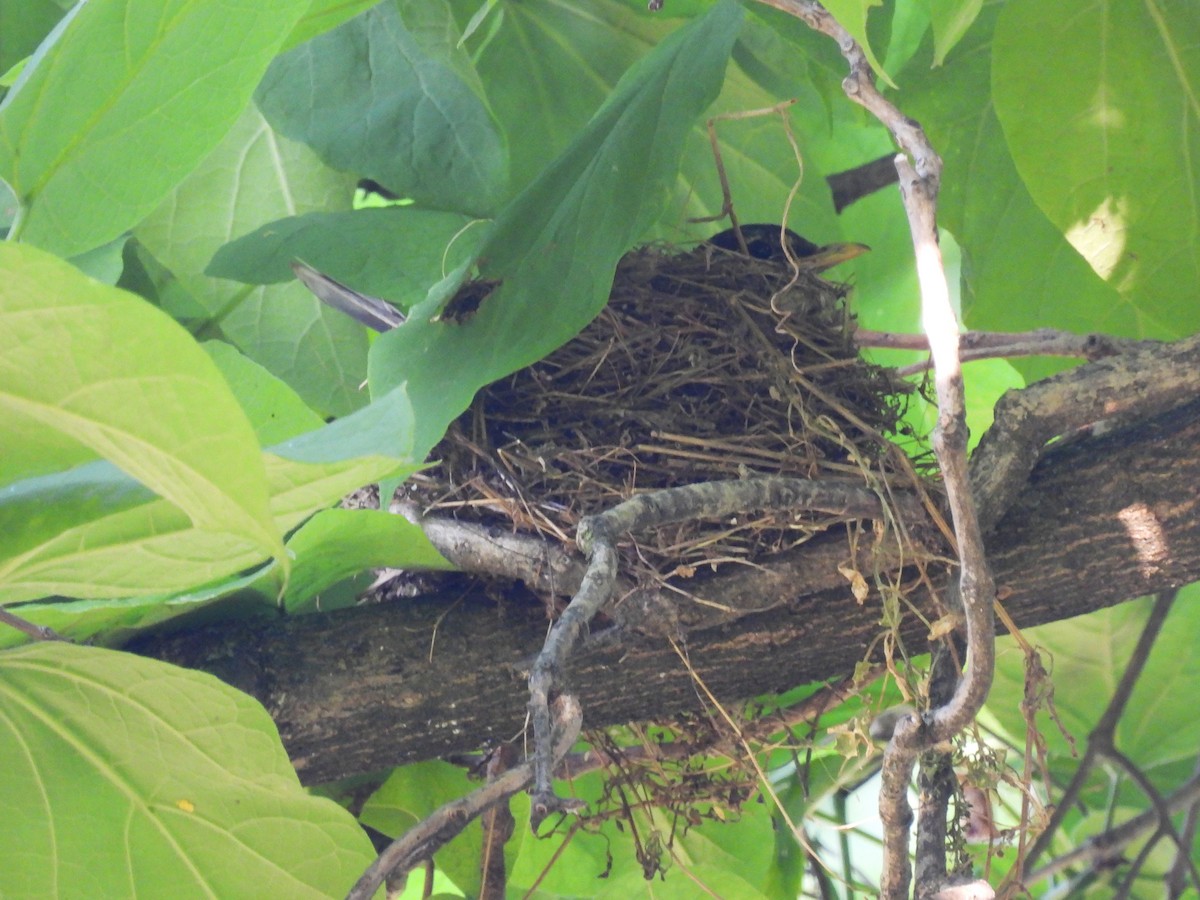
(1019, 272)
(379, 98)
(275, 411)
(128, 777)
(569, 57)
(1100, 103)
(951, 19)
(92, 533)
(390, 252)
(254, 177)
(852, 15)
(111, 623)
(159, 409)
(171, 80)
(338, 543)
(104, 263)
(556, 246)
(322, 15)
(23, 24)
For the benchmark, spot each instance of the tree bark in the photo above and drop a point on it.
(1102, 520)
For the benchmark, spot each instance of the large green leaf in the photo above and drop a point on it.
(337, 543)
(569, 57)
(556, 246)
(1018, 270)
(87, 534)
(163, 78)
(157, 407)
(23, 24)
(275, 411)
(1100, 103)
(389, 95)
(252, 178)
(394, 252)
(127, 777)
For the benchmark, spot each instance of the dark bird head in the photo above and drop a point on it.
(766, 242)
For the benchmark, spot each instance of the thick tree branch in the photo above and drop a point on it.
(378, 685)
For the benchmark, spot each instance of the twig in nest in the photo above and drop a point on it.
(726, 195)
(598, 540)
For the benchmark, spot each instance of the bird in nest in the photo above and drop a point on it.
(764, 242)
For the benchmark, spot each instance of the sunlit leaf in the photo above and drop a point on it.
(159, 409)
(172, 79)
(1018, 270)
(128, 777)
(1100, 104)
(254, 177)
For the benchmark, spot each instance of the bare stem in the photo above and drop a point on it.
(920, 168)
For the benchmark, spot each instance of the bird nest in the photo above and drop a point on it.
(704, 365)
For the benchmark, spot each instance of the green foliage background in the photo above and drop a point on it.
(179, 415)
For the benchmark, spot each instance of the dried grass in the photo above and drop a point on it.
(704, 365)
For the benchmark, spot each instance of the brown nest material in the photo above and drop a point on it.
(704, 365)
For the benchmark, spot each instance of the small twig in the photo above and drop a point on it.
(1183, 865)
(437, 829)
(498, 825)
(1166, 828)
(726, 194)
(977, 345)
(936, 780)
(1102, 848)
(1101, 740)
(598, 539)
(37, 632)
(861, 181)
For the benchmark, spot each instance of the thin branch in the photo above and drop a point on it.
(437, 829)
(1166, 827)
(977, 345)
(1183, 865)
(920, 178)
(861, 181)
(1100, 741)
(1102, 848)
(37, 632)
(1101, 737)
